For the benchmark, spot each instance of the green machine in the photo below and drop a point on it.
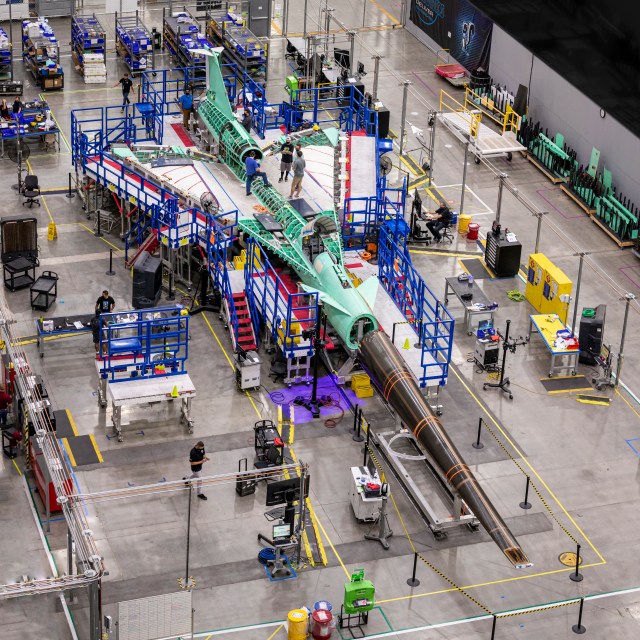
(359, 594)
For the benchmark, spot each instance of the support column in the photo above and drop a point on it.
(538, 215)
(376, 72)
(628, 297)
(405, 95)
(464, 177)
(502, 177)
(285, 18)
(95, 626)
(433, 119)
(304, 24)
(352, 51)
(582, 254)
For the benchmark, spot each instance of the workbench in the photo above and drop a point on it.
(140, 391)
(475, 309)
(547, 326)
(63, 325)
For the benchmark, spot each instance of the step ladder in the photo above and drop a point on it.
(244, 335)
(150, 244)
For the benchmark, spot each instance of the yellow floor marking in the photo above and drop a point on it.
(84, 226)
(17, 467)
(72, 460)
(72, 422)
(279, 32)
(274, 633)
(95, 447)
(448, 254)
(627, 403)
(226, 355)
(324, 533)
(524, 459)
(386, 13)
(409, 166)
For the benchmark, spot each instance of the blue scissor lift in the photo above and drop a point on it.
(142, 359)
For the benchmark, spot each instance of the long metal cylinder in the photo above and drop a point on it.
(398, 386)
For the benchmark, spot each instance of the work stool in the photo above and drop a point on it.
(447, 235)
(49, 141)
(11, 440)
(31, 191)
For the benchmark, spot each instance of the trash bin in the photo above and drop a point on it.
(472, 233)
(463, 223)
(298, 627)
(321, 628)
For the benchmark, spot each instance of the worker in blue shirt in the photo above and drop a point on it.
(252, 168)
(186, 104)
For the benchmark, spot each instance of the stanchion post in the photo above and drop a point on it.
(493, 628)
(577, 576)
(526, 504)
(111, 272)
(413, 581)
(355, 416)
(477, 444)
(366, 444)
(357, 436)
(70, 193)
(578, 628)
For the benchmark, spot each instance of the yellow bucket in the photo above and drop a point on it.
(463, 223)
(298, 628)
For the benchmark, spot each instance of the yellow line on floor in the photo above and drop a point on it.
(17, 467)
(276, 27)
(386, 13)
(627, 403)
(84, 226)
(488, 584)
(72, 460)
(448, 254)
(526, 461)
(324, 533)
(275, 632)
(226, 355)
(95, 447)
(72, 422)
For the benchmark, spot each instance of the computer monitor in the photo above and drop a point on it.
(484, 325)
(281, 531)
(278, 492)
(371, 467)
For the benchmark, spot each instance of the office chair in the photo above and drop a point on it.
(31, 191)
(446, 234)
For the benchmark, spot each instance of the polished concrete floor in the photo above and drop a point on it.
(583, 459)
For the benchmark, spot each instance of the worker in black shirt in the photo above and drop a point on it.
(17, 105)
(286, 159)
(247, 121)
(127, 85)
(196, 459)
(439, 219)
(104, 304)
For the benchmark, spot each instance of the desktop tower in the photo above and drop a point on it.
(591, 334)
(147, 281)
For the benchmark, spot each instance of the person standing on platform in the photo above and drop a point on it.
(247, 120)
(252, 168)
(104, 304)
(286, 159)
(197, 458)
(299, 165)
(186, 104)
(127, 85)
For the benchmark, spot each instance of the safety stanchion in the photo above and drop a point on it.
(413, 581)
(493, 628)
(357, 426)
(578, 628)
(111, 272)
(576, 576)
(477, 444)
(98, 232)
(70, 193)
(526, 504)
(366, 444)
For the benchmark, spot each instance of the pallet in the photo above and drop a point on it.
(578, 200)
(621, 243)
(551, 176)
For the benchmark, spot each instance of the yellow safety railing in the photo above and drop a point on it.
(507, 120)
(449, 103)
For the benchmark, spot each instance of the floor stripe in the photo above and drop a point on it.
(324, 533)
(386, 13)
(95, 447)
(526, 461)
(275, 632)
(71, 422)
(72, 460)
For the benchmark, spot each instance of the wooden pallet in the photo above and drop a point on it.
(578, 200)
(551, 176)
(621, 243)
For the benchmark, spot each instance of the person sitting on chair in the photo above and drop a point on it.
(439, 219)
